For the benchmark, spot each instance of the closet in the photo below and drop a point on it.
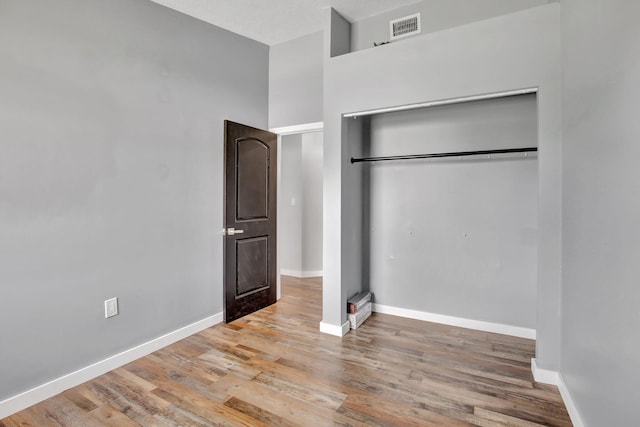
(453, 235)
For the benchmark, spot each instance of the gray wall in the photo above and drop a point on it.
(290, 205)
(601, 236)
(435, 15)
(456, 236)
(111, 115)
(312, 202)
(338, 41)
(395, 74)
(300, 224)
(295, 81)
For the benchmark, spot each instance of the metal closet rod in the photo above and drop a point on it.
(438, 155)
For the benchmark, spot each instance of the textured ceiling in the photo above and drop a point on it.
(274, 21)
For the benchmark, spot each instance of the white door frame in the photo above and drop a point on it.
(281, 131)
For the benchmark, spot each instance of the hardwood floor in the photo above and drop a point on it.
(274, 368)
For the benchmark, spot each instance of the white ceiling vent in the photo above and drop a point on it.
(403, 27)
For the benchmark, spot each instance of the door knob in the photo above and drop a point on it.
(232, 231)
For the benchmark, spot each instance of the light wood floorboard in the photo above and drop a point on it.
(274, 368)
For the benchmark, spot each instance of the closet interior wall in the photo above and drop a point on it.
(453, 236)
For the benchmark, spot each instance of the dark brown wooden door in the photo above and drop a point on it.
(250, 220)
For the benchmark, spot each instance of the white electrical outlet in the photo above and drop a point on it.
(110, 307)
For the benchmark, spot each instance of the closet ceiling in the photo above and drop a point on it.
(275, 21)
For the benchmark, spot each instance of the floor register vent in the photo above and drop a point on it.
(403, 27)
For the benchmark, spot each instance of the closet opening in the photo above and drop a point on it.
(457, 234)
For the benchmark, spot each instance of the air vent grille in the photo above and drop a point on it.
(403, 27)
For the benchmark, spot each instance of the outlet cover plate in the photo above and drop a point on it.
(110, 307)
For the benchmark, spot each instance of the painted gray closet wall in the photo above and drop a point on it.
(295, 81)
(504, 53)
(601, 236)
(111, 180)
(290, 214)
(456, 236)
(436, 15)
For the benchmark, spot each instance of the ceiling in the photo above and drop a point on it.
(275, 21)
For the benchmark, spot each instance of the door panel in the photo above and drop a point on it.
(252, 252)
(250, 210)
(253, 179)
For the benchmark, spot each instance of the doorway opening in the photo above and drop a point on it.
(300, 202)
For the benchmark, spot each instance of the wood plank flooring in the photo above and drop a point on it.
(274, 368)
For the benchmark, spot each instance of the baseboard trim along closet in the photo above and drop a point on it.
(338, 331)
(554, 378)
(576, 419)
(544, 375)
(479, 325)
(45, 391)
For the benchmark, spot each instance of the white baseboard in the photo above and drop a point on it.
(45, 391)
(497, 328)
(312, 273)
(554, 378)
(338, 331)
(544, 375)
(576, 419)
(292, 273)
(301, 274)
